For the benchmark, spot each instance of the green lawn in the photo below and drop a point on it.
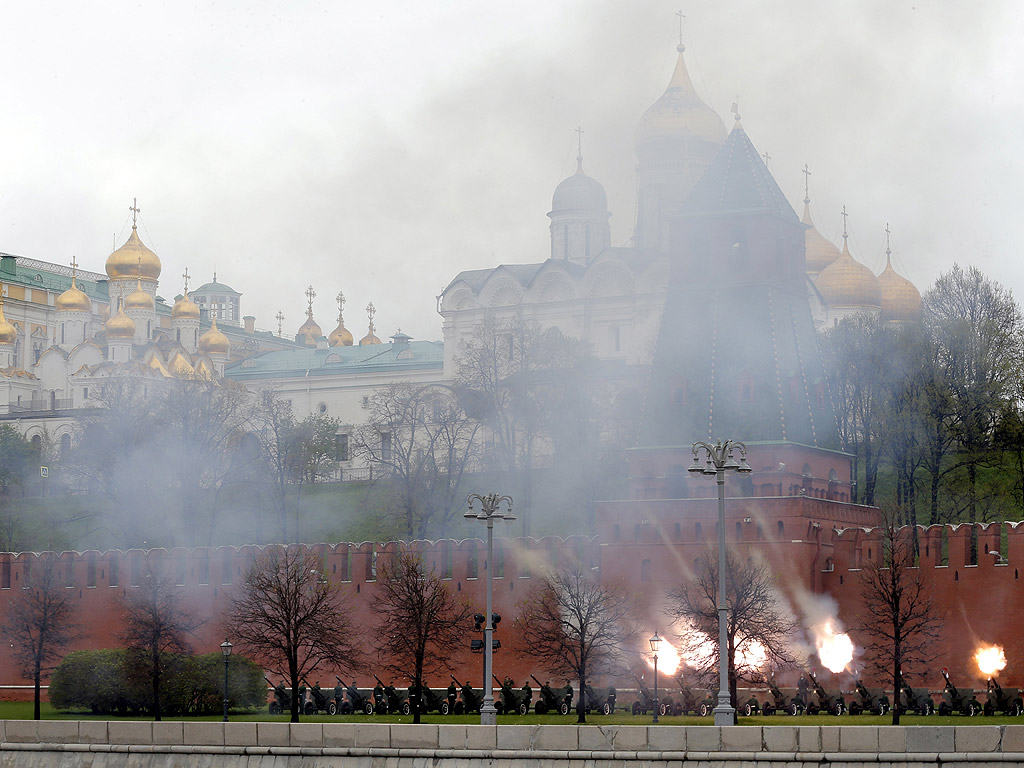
(22, 710)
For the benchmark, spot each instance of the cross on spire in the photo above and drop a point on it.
(74, 268)
(280, 321)
(340, 298)
(807, 184)
(135, 210)
(310, 295)
(579, 143)
(682, 17)
(844, 215)
(888, 251)
(185, 275)
(766, 158)
(370, 312)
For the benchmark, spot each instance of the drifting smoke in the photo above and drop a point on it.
(668, 658)
(827, 640)
(990, 660)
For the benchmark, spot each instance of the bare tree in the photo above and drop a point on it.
(290, 618)
(40, 622)
(506, 376)
(422, 624)
(898, 619)
(420, 441)
(758, 618)
(573, 625)
(156, 626)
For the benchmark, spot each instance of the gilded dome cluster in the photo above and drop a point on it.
(120, 326)
(901, 301)
(820, 251)
(73, 300)
(185, 309)
(133, 259)
(848, 283)
(680, 114)
(8, 333)
(139, 299)
(214, 342)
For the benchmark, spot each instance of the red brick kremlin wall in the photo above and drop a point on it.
(799, 536)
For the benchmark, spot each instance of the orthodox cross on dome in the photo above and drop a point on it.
(370, 312)
(74, 268)
(185, 275)
(340, 298)
(135, 210)
(844, 214)
(310, 295)
(280, 321)
(766, 157)
(807, 184)
(682, 18)
(887, 249)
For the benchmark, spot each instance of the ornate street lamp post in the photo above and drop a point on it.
(655, 647)
(719, 459)
(225, 649)
(490, 510)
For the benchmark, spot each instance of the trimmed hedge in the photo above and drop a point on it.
(115, 681)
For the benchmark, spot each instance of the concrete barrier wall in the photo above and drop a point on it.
(97, 744)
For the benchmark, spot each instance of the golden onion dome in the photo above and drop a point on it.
(369, 339)
(73, 300)
(820, 252)
(214, 342)
(901, 301)
(846, 282)
(120, 326)
(680, 114)
(341, 336)
(139, 299)
(8, 333)
(309, 331)
(133, 258)
(185, 309)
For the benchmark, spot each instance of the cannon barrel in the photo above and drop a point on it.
(453, 677)
(379, 681)
(342, 682)
(538, 682)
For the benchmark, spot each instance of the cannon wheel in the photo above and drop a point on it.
(309, 709)
(944, 709)
(1015, 710)
(748, 710)
(460, 708)
(989, 709)
(445, 708)
(929, 708)
(705, 710)
(769, 709)
(332, 708)
(563, 708)
(608, 709)
(540, 708)
(368, 707)
(499, 707)
(523, 708)
(855, 708)
(406, 709)
(794, 709)
(346, 708)
(274, 708)
(839, 709)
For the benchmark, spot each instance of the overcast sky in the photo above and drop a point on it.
(381, 147)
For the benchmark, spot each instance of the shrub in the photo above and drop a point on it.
(108, 682)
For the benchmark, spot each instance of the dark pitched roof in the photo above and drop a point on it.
(738, 181)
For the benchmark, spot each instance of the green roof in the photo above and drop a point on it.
(332, 361)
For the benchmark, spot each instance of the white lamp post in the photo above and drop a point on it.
(718, 460)
(655, 646)
(489, 512)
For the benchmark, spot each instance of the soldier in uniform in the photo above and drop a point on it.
(526, 689)
(379, 702)
(801, 687)
(453, 694)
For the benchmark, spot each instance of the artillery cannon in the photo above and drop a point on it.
(914, 702)
(779, 703)
(512, 699)
(432, 700)
(827, 702)
(872, 700)
(319, 701)
(955, 700)
(645, 699)
(355, 700)
(689, 701)
(553, 699)
(593, 702)
(394, 700)
(282, 698)
(1005, 700)
(471, 700)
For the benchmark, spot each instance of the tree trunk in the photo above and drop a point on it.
(36, 715)
(156, 683)
(293, 674)
(581, 707)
